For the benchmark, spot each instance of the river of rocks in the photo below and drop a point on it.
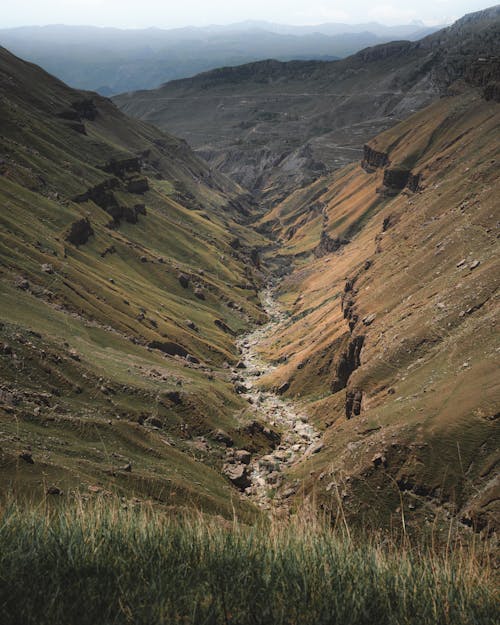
(299, 439)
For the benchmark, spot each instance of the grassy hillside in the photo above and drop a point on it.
(125, 272)
(390, 341)
(107, 565)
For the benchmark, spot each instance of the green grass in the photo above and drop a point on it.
(110, 564)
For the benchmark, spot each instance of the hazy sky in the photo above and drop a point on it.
(174, 13)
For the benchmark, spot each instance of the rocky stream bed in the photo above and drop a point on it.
(266, 483)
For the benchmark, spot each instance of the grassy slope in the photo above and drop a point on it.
(77, 376)
(429, 364)
(107, 565)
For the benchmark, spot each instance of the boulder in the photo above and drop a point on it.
(224, 327)
(379, 460)
(243, 456)
(283, 388)
(238, 475)
(27, 456)
(153, 422)
(183, 280)
(79, 232)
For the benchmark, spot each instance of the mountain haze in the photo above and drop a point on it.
(273, 126)
(110, 60)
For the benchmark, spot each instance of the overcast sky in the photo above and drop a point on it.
(174, 13)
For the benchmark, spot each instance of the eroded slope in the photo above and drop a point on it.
(391, 343)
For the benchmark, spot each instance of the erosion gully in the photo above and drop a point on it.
(299, 439)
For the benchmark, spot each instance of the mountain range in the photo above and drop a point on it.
(110, 60)
(274, 126)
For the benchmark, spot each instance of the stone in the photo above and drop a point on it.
(54, 490)
(47, 268)
(127, 468)
(183, 280)
(22, 284)
(241, 365)
(237, 474)
(315, 448)
(222, 437)
(199, 293)
(191, 325)
(243, 456)
(74, 355)
(474, 264)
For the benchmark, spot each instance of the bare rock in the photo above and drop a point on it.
(243, 456)
(237, 474)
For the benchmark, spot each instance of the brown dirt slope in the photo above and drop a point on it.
(392, 338)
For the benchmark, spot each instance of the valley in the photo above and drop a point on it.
(304, 320)
(254, 380)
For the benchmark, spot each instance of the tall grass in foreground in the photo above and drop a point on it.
(105, 565)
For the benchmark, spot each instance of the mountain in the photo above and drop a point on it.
(126, 268)
(390, 341)
(273, 126)
(112, 61)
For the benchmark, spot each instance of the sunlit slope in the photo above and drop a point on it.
(392, 341)
(125, 272)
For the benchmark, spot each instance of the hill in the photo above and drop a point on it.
(126, 268)
(274, 126)
(389, 340)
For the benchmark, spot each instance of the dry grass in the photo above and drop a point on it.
(109, 564)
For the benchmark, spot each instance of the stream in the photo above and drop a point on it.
(299, 439)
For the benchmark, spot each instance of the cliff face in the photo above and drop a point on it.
(391, 344)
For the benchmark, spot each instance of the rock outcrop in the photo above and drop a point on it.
(79, 232)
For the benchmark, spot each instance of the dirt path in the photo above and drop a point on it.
(299, 439)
